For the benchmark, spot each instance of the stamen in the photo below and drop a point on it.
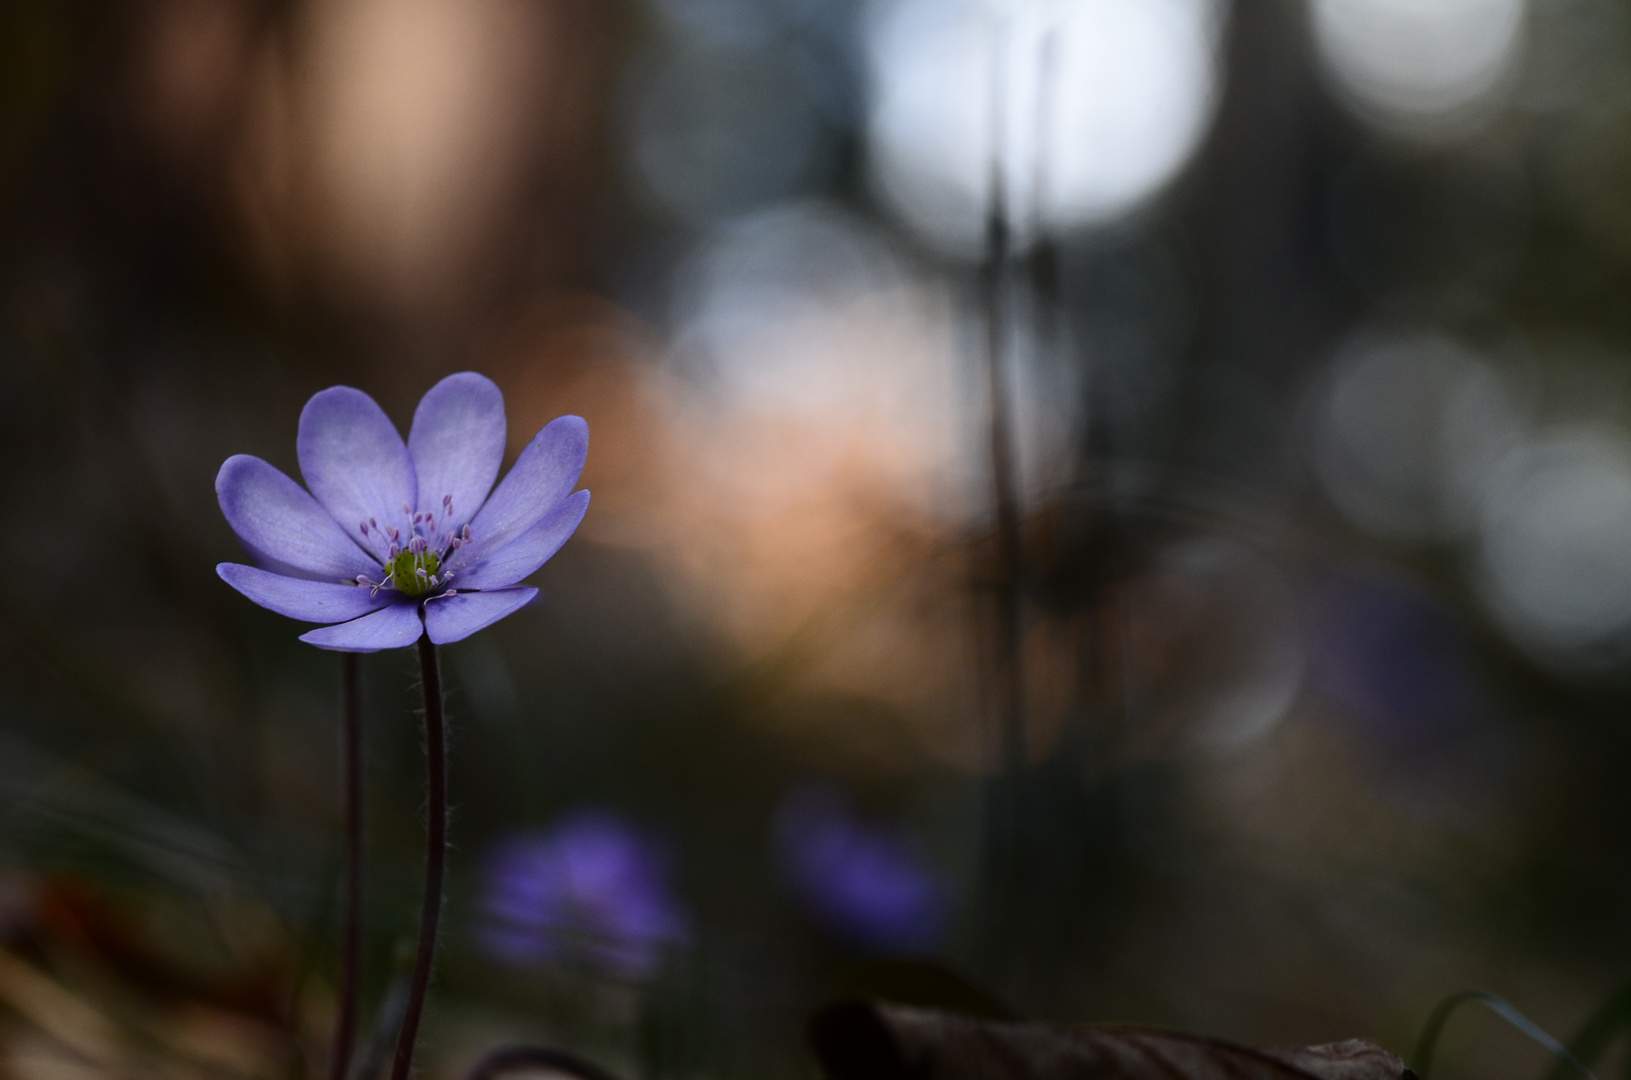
(363, 527)
(417, 545)
(406, 509)
(447, 505)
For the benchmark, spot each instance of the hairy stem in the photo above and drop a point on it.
(345, 1023)
(430, 677)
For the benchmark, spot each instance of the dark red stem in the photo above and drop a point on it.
(345, 1023)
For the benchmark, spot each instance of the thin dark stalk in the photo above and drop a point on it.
(430, 912)
(1004, 467)
(345, 1023)
(543, 1058)
(1005, 797)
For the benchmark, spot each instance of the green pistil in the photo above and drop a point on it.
(405, 572)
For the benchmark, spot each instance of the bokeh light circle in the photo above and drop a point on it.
(1406, 432)
(1555, 558)
(1100, 101)
(806, 315)
(1420, 66)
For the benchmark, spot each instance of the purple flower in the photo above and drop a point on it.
(592, 889)
(397, 540)
(1395, 662)
(865, 884)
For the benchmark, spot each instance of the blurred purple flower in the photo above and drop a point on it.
(592, 889)
(1402, 673)
(397, 540)
(1395, 662)
(865, 884)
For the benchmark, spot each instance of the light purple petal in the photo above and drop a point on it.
(454, 618)
(457, 444)
(389, 628)
(355, 463)
(527, 552)
(543, 475)
(279, 522)
(309, 601)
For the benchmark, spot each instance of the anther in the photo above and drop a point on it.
(363, 527)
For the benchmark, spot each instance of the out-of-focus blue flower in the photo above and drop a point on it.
(397, 540)
(1403, 675)
(1395, 662)
(592, 890)
(865, 884)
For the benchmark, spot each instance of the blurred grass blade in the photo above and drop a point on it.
(389, 1017)
(1597, 1032)
(57, 1011)
(1422, 1060)
(41, 795)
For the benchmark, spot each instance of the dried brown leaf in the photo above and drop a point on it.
(875, 1041)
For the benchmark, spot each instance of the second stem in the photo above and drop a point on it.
(430, 677)
(345, 1025)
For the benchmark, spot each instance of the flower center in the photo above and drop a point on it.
(415, 572)
(414, 568)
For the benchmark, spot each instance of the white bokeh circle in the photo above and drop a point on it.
(1419, 66)
(1096, 103)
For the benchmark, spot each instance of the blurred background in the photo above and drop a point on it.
(1103, 510)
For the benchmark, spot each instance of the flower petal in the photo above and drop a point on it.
(389, 628)
(309, 601)
(278, 521)
(355, 463)
(527, 552)
(545, 473)
(457, 444)
(450, 618)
